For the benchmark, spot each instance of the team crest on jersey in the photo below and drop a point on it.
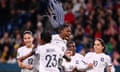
(102, 59)
(77, 62)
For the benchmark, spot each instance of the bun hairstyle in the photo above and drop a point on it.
(102, 43)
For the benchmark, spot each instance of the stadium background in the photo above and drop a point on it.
(89, 19)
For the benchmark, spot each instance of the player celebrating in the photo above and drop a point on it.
(26, 65)
(99, 59)
(70, 66)
(76, 60)
(61, 39)
(48, 53)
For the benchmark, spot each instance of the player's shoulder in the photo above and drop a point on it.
(48, 45)
(55, 36)
(21, 48)
(106, 56)
(91, 53)
(78, 55)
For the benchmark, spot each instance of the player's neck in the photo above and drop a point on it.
(61, 36)
(73, 53)
(99, 52)
(29, 46)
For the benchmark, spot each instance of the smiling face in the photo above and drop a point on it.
(28, 39)
(98, 46)
(71, 47)
(66, 32)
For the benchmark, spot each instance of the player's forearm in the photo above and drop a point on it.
(24, 57)
(67, 58)
(20, 64)
(63, 70)
(84, 66)
(109, 69)
(24, 66)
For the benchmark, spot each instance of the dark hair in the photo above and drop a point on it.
(46, 36)
(102, 43)
(70, 42)
(62, 27)
(27, 32)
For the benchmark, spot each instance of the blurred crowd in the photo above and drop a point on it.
(89, 19)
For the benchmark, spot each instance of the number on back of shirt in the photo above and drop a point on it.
(51, 60)
(30, 61)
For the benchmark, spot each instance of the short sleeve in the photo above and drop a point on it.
(108, 61)
(18, 53)
(37, 50)
(63, 62)
(86, 58)
(82, 66)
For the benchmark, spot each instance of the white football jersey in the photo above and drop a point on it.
(100, 61)
(68, 66)
(23, 51)
(74, 63)
(57, 40)
(49, 56)
(78, 61)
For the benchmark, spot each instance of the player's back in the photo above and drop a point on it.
(49, 56)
